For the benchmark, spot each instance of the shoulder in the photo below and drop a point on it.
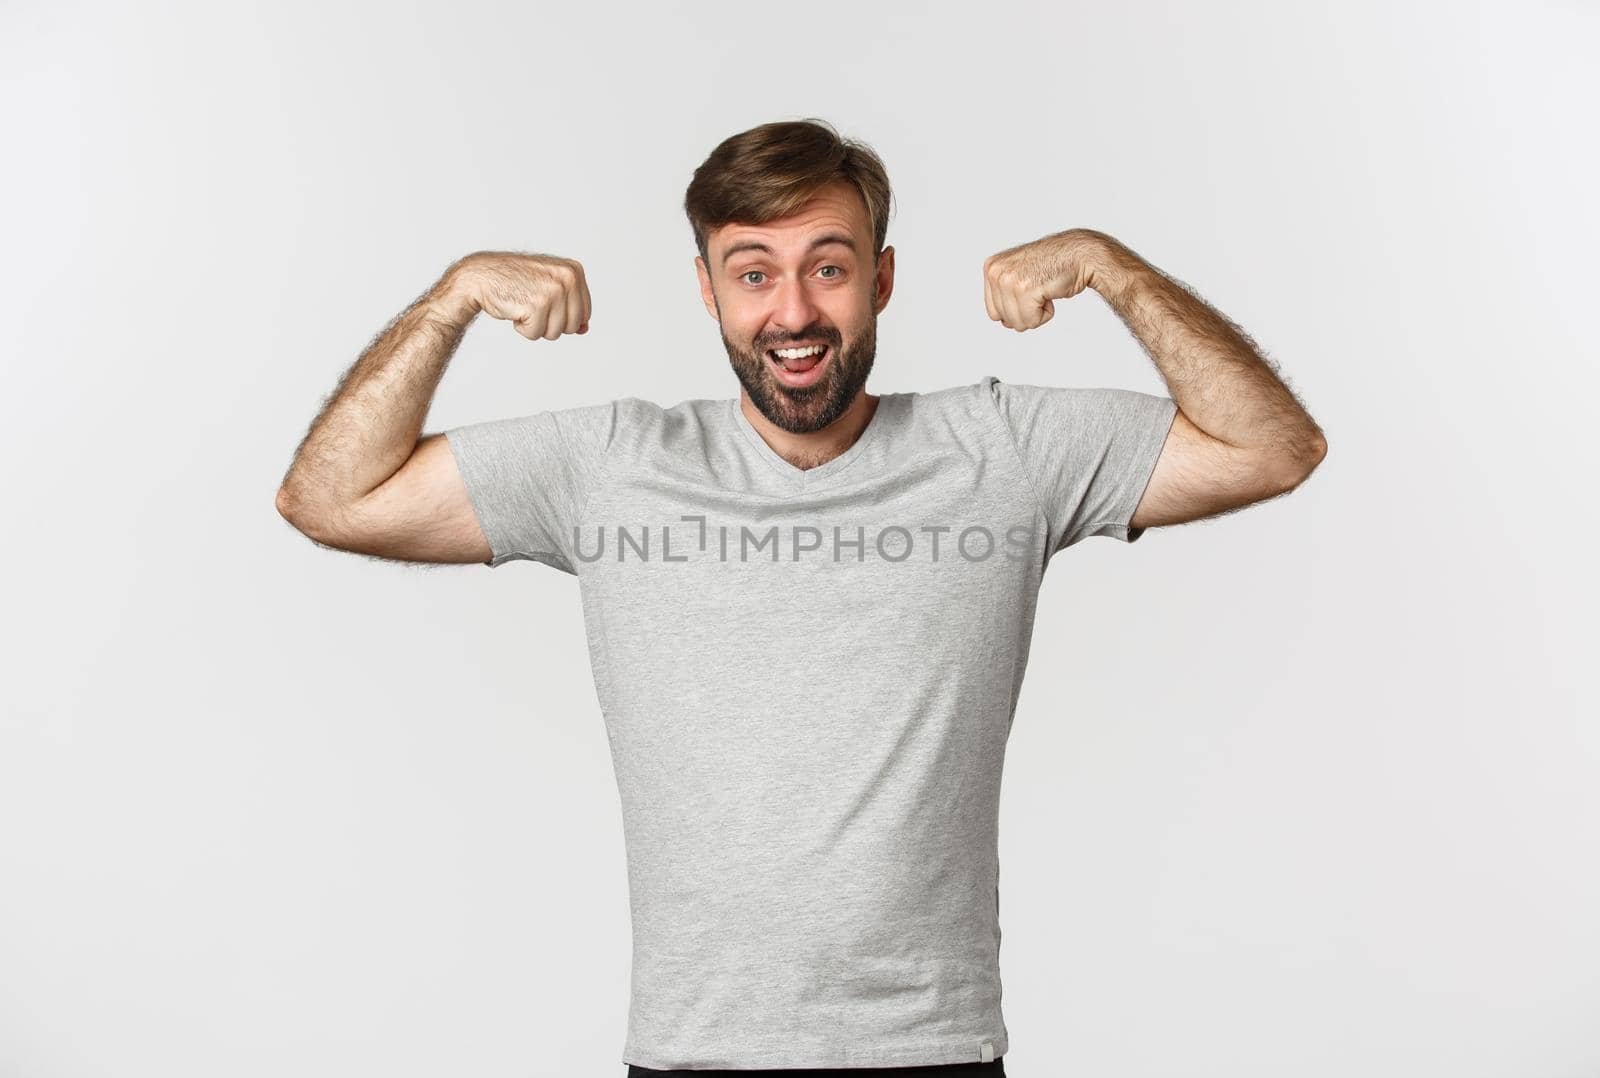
(979, 396)
(968, 406)
(645, 428)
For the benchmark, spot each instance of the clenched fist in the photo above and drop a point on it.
(541, 295)
(1021, 283)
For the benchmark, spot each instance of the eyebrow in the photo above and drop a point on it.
(820, 241)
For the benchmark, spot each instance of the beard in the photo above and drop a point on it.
(806, 409)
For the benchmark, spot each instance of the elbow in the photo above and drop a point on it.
(291, 506)
(304, 517)
(1313, 452)
(1296, 466)
(284, 503)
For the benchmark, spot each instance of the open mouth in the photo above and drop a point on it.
(799, 370)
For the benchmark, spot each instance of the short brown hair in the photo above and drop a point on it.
(770, 171)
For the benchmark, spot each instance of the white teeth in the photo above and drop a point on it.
(796, 353)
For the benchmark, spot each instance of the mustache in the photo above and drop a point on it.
(805, 338)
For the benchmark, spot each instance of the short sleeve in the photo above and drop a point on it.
(530, 476)
(1089, 453)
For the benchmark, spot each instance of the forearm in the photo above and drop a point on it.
(1215, 373)
(372, 421)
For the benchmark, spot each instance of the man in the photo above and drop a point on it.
(808, 607)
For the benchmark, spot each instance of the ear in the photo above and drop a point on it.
(707, 296)
(883, 281)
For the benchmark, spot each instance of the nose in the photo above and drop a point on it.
(794, 308)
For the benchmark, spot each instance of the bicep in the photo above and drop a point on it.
(1198, 476)
(421, 513)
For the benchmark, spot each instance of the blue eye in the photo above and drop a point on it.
(757, 273)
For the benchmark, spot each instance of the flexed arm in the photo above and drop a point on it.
(1239, 436)
(361, 479)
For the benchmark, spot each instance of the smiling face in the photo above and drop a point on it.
(805, 279)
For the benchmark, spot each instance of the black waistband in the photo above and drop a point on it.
(993, 1069)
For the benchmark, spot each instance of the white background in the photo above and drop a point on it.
(1310, 789)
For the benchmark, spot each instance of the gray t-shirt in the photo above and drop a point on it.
(808, 677)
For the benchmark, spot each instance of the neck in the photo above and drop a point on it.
(812, 450)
